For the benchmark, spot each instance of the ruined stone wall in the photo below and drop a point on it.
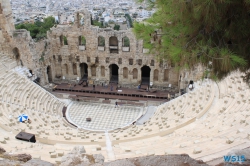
(195, 74)
(6, 26)
(18, 44)
(63, 58)
(14, 42)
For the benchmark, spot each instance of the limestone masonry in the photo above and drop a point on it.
(103, 57)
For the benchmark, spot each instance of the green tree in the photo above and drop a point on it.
(39, 29)
(96, 23)
(129, 20)
(211, 32)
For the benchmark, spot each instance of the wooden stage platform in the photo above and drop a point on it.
(117, 93)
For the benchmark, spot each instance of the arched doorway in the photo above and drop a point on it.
(84, 70)
(16, 54)
(145, 75)
(113, 68)
(49, 73)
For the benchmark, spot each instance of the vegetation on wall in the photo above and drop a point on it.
(65, 41)
(117, 27)
(96, 23)
(126, 42)
(39, 29)
(83, 41)
(101, 41)
(188, 32)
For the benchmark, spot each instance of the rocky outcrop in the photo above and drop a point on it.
(37, 162)
(240, 153)
(166, 160)
(98, 158)
(7, 159)
(2, 150)
(16, 157)
(76, 158)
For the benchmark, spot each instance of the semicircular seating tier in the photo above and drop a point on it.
(205, 123)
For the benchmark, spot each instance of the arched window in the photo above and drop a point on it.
(82, 41)
(152, 63)
(93, 70)
(65, 40)
(80, 19)
(49, 73)
(113, 44)
(102, 71)
(166, 74)
(65, 69)
(135, 73)
(74, 69)
(125, 72)
(125, 42)
(101, 41)
(113, 41)
(156, 75)
(61, 40)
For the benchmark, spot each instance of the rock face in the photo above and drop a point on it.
(37, 162)
(5, 162)
(2, 150)
(98, 158)
(239, 152)
(76, 159)
(7, 159)
(169, 160)
(16, 157)
(236, 152)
